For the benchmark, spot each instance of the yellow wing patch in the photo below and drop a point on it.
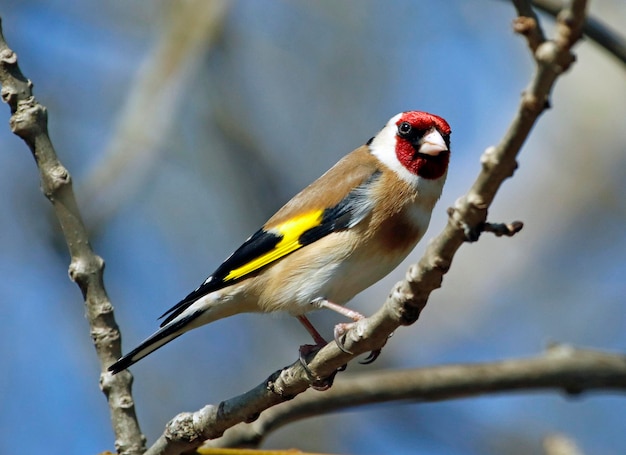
(290, 231)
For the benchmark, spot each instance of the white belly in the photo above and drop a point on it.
(338, 279)
(342, 264)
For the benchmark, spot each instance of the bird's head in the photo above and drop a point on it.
(417, 142)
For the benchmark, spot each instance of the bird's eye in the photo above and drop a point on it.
(404, 129)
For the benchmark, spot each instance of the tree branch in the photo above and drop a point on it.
(467, 220)
(469, 214)
(527, 24)
(594, 29)
(29, 120)
(564, 368)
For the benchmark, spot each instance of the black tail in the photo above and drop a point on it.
(154, 342)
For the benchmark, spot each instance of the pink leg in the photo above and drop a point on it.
(306, 349)
(347, 312)
(317, 338)
(342, 328)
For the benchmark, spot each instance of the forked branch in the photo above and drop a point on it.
(468, 218)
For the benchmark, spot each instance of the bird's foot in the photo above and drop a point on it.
(317, 383)
(340, 333)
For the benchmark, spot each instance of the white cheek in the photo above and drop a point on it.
(383, 147)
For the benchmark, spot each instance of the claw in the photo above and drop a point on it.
(324, 384)
(339, 333)
(319, 384)
(304, 351)
(371, 357)
(339, 336)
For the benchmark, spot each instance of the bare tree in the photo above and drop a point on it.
(246, 420)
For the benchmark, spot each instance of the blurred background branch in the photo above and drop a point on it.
(286, 88)
(593, 28)
(561, 368)
(152, 101)
(559, 444)
(408, 298)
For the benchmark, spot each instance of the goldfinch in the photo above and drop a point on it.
(338, 236)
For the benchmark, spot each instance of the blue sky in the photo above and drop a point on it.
(284, 92)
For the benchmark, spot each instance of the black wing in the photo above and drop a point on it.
(265, 247)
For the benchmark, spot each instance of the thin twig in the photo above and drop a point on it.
(593, 28)
(409, 297)
(561, 368)
(506, 229)
(527, 24)
(29, 120)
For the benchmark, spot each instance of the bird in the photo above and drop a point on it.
(342, 233)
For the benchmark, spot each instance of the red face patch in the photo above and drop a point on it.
(425, 166)
(424, 121)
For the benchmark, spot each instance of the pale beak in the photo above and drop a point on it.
(432, 144)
